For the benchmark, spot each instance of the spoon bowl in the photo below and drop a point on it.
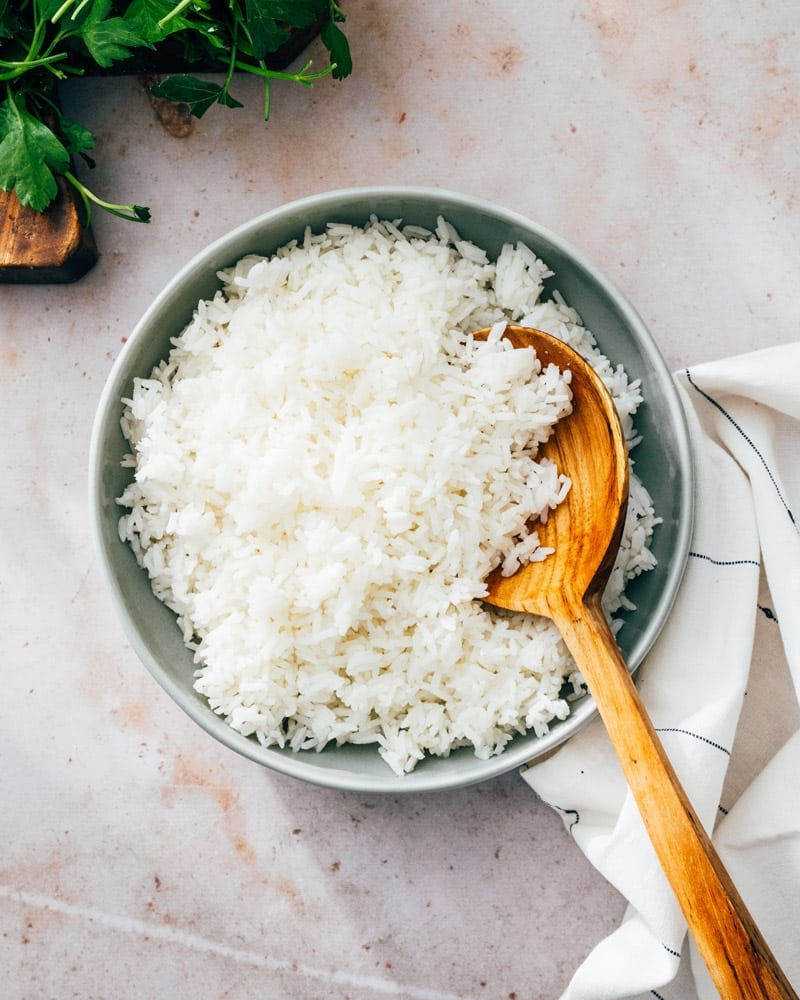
(584, 531)
(591, 445)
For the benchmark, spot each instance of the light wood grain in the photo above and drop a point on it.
(589, 447)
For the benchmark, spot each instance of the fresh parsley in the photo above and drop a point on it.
(43, 42)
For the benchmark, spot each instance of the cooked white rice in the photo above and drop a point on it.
(326, 468)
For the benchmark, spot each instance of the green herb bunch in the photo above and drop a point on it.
(43, 42)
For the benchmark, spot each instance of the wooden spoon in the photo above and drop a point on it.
(588, 446)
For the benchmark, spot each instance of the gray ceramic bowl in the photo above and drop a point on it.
(662, 461)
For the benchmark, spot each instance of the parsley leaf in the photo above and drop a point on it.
(77, 139)
(30, 155)
(109, 39)
(198, 94)
(269, 21)
(335, 41)
(266, 35)
(151, 19)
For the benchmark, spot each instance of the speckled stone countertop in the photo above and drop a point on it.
(141, 859)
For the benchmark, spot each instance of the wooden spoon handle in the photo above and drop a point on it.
(738, 958)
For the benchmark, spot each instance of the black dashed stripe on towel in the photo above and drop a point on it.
(749, 441)
(696, 736)
(576, 816)
(725, 562)
(655, 993)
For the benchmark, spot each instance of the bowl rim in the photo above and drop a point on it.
(515, 756)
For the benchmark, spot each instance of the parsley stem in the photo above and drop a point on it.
(78, 9)
(232, 61)
(135, 213)
(61, 11)
(303, 76)
(173, 13)
(15, 69)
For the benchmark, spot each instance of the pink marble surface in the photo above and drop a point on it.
(139, 858)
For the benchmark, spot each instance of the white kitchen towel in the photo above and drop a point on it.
(721, 685)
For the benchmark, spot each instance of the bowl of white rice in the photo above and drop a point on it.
(303, 467)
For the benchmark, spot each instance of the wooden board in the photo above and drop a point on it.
(50, 247)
